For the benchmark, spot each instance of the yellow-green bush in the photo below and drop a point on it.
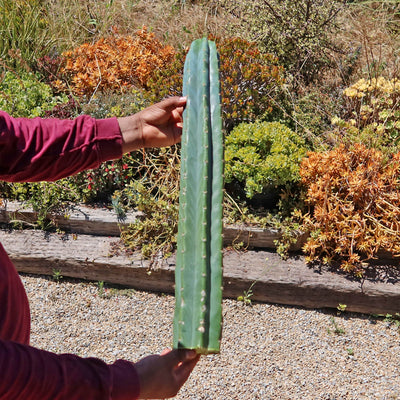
(263, 154)
(373, 114)
(24, 95)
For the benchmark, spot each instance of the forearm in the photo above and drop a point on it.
(31, 374)
(50, 149)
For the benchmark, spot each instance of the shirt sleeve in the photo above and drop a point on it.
(49, 149)
(32, 374)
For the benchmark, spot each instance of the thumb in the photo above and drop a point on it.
(178, 356)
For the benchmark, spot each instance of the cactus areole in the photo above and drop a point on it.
(198, 273)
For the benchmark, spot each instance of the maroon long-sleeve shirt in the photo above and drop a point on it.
(37, 150)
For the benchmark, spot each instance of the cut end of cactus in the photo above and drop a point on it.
(204, 351)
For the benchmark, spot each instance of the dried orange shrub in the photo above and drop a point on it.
(355, 198)
(117, 62)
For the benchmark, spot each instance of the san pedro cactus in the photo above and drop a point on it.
(198, 274)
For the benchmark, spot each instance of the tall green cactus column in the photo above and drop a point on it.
(198, 274)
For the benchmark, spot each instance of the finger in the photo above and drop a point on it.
(172, 103)
(183, 371)
(177, 356)
(177, 114)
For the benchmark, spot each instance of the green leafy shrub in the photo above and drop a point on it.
(96, 185)
(106, 104)
(298, 32)
(25, 96)
(100, 183)
(46, 199)
(249, 81)
(263, 155)
(23, 33)
(155, 193)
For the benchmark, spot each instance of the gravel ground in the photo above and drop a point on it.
(268, 351)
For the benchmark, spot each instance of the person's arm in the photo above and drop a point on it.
(32, 374)
(32, 150)
(49, 149)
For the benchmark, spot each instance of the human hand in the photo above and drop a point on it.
(159, 125)
(162, 376)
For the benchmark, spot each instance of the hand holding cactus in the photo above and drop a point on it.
(159, 125)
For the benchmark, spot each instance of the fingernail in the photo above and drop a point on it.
(183, 98)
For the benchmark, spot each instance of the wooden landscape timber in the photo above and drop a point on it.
(79, 219)
(104, 222)
(272, 280)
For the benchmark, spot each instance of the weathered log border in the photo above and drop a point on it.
(271, 280)
(104, 222)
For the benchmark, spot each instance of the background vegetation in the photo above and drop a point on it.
(310, 96)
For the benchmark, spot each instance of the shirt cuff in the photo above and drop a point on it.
(109, 139)
(125, 381)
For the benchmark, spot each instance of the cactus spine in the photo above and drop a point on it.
(198, 274)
